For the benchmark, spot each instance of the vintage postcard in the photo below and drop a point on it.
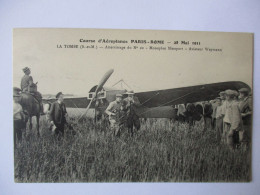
(100, 105)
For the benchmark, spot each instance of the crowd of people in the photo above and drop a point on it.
(232, 112)
(230, 115)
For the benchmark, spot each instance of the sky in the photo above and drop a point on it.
(75, 70)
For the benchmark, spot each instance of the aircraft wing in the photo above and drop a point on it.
(159, 104)
(183, 95)
(73, 102)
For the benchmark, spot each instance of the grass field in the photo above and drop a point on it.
(161, 151)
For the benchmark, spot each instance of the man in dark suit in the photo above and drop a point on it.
(58, 114)
(131, 103)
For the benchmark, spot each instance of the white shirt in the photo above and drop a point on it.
(17, 109)
(226, 108)
(218, 111)
(181, 109)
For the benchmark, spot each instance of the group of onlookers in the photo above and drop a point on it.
(232, 113)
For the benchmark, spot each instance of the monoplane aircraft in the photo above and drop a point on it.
(154, 104)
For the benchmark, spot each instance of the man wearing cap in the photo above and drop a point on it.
(246, 108)
(113, 111)
(58, 113)
(18, 117)
(233, 116)
(226, 121)
(16, 91)
(222, 96)
(132, 103)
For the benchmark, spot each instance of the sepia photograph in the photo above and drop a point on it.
(103, 105)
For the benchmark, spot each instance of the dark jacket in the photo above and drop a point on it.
(131, 105)
(246, 106)
(57, 113)
(208, 110)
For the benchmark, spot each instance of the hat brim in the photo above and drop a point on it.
(243, 91)
(17, 89)
(231, 94)
(25, 70)
(58, 95)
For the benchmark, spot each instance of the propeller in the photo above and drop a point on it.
(99, 87)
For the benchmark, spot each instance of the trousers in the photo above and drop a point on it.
(115, 127)
(245, 134)
(19, 125)
(219, 128)
(232, 138)
(60, 129)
